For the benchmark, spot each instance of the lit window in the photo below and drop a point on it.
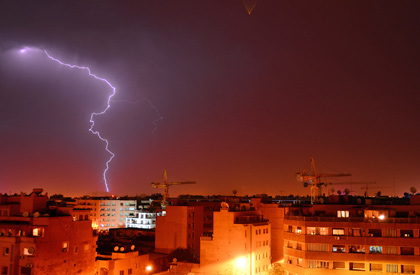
(356, 249)
(391, 268)
(338, 231)
(375, 249)
(311, 231)
(65, 246)
(339, 248)
(86, 247)
(298, 230)
(323, 231)
(37, 232)
(342, 214)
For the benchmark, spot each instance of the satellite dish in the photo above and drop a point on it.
(36, 214)
(132, 247)
(321, 200)
(31, 250)
(174, 260)
(25, 214)
(116, 248)
(122, 248)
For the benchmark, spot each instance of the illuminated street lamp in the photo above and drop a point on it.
(241, 262)
(148, 268)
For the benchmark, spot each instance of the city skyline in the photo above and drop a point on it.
(245, 99)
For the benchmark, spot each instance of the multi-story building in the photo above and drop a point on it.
(143, 219)
(275, 214)
(240, 243)
(36, 241)
(108, 213)
(342, 238)
(181, 227)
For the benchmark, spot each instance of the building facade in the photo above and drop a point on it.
(181, 227)
(240, 244)
(33, 242)
(346, 238)
(108, 213)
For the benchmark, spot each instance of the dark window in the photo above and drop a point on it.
(25, 270)
(375, 232)
(407, 250)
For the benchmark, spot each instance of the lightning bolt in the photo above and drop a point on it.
(92, 122)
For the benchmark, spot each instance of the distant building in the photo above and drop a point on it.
(380, 236)
(36, 241)
(240, 244)
(108, 213)
(143, 219)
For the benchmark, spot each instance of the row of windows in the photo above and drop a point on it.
(258, 231)
(121, 204)
(261, 256)
(261, 243)
(355, 232)
(261, 268)
(371, 249)
(121, 209)
(34, 232)
(356, 266)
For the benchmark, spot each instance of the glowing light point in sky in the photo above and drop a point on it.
(92, 122)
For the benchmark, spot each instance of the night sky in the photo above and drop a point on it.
(246, 100)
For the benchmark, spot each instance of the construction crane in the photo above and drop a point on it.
(165, 184)
(314, 180)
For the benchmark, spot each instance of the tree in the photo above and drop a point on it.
(413, 190)
(378, 194)
(276, 269)
(234, 191)
(346, 191)
(339, 192)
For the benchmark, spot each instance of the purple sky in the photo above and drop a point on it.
(246, 100)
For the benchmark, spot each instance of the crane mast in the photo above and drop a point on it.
(165, 185)
(314, 180)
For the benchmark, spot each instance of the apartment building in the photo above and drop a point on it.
(346, 238)
(181, 227)
(107, 213)
(34, 240)
(143, 219)
(240, 243)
